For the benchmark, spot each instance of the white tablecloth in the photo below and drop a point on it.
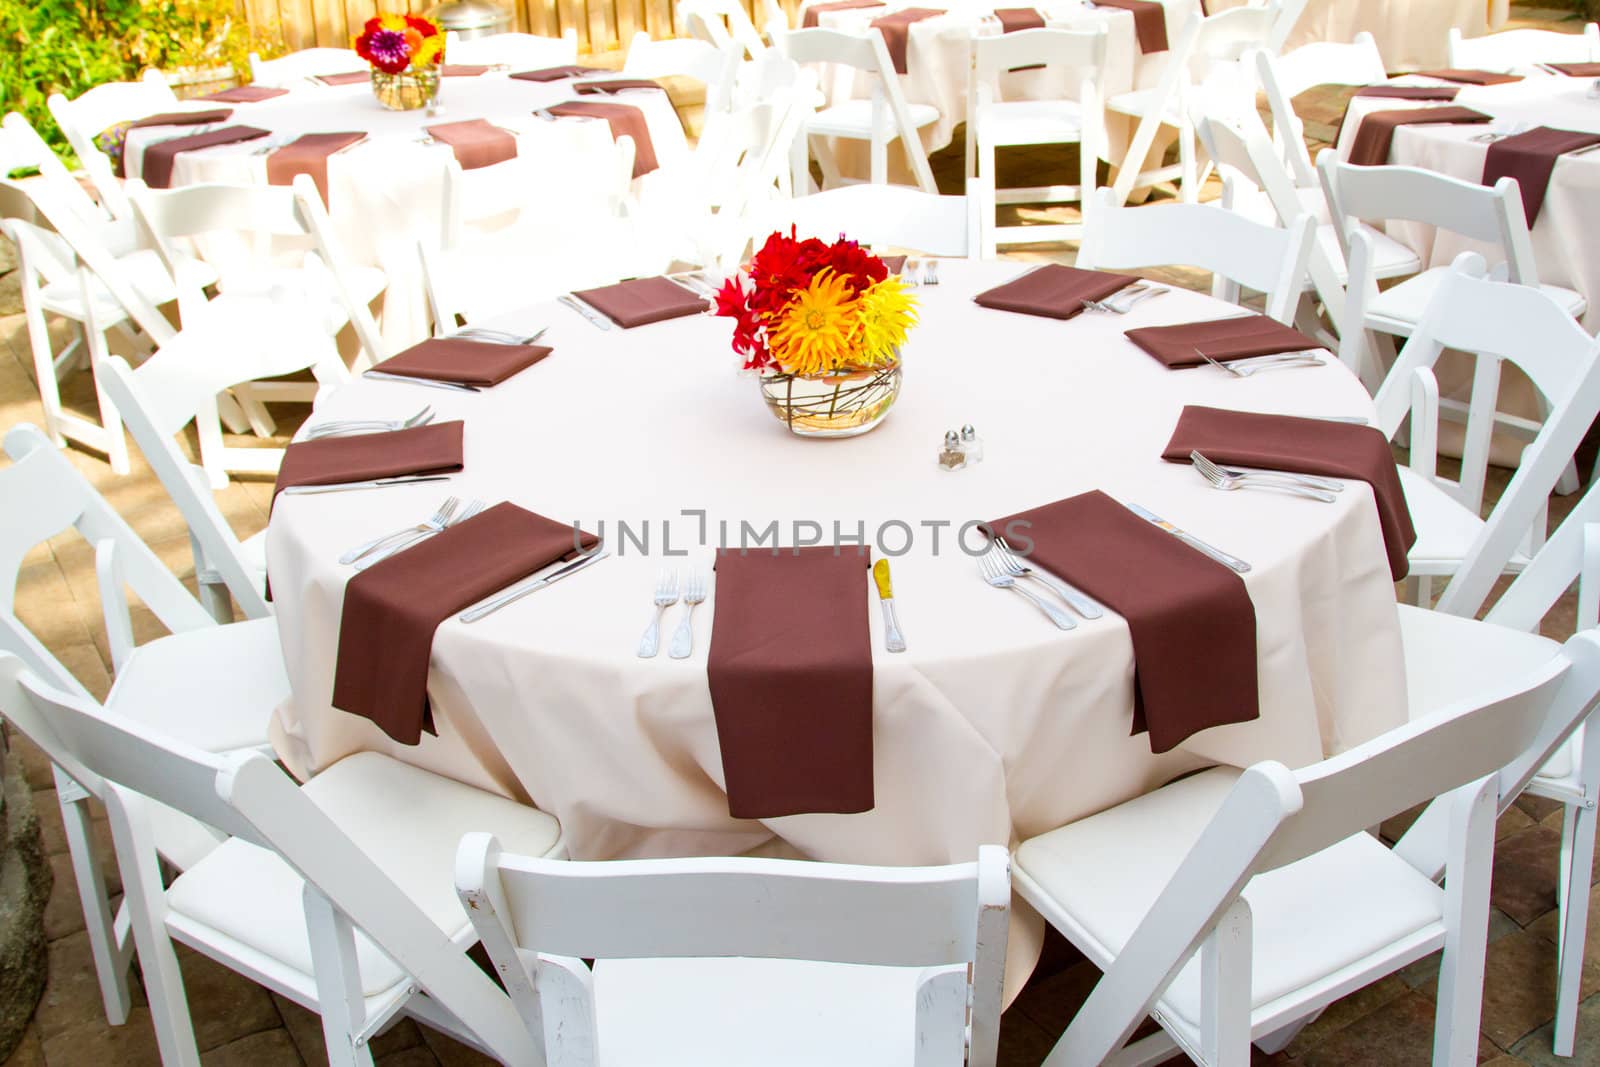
(1410, 33)
(387, 192)
(1562, 244)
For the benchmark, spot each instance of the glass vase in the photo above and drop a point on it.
(408, 90)
(840, 403)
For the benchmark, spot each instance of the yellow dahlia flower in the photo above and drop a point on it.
(886, 312)
(814, 333)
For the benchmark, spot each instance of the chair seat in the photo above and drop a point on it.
(144, 271)
(1398, 310)
(1445, 527)
(1391, 259)
(1311, 919)
(1020, 122)
(295, 284)
(406, 820)
(778, 1013)
(853, 119)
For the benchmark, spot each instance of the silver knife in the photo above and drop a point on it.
(454, 387)
(1190, 539)
(585, 310)
(376, 483)
(491, 606)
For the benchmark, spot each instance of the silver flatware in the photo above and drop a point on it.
(376, 483)
(1351, 420)
(1133, 293)
(1000, 580)
(404, 543)
(1015, 566)
(665, 595)
(340, 427)
(694, 592)
(1232, 562)
(930, 272)
(454, 387)
(893, 639)
(496, 337)
(597, 554)
(1258, 364)
(594, 317)
(1327, 485)
(435, 521)
(1228, 482)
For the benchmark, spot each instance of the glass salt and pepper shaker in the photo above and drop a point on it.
(951, 458)
(971, 444)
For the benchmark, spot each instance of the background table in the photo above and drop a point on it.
(1410, 33)
(387, 192)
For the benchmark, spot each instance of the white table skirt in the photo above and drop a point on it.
(1410, 33)
(387, 193)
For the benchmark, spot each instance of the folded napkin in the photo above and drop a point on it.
(183, 118)
(353, 77)
(1221, 339)
(790, 668)
(808, 21)
(615, 85)
(896, 30)
(464, 70)
(1192, 622)
(1530, 157)
(1307, 446)
(1577, 70)
(1411, 92)
(454, 359)
(476, 142)
(431, 449)
(625, 120)
(246, 94)
(160, 157)
(552, 74)
(896, 264)
(1470, 77)
(641, 301)
(308, 154)
(1149, 22)
(1371, 146)
(392, 609)
(1054, 291)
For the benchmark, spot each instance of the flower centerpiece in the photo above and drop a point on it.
(406, 52)
(822, 325)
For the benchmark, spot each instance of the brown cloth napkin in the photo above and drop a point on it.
(1371, 147)
(808, 21)
(1530, 157)
(642, 301)
(308, 155)
(1149, 22)
(476, 142)
(553, 74)
(1577, 70)
(431, 449)
(353, 77)
(1221, 339)
(615, 85)
(1470, 77)
(1053, 291)
(1411, 92)
(1306, 446)
(896, 30)
(160, 157)
(245, 94)
(453, 359)
(624, 120)
(183, 118)
(464, 70)
(1017, 19)
(1192, 622)
(392, 609)
(790, 668)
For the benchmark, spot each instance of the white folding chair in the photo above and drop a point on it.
(22, 147)
(214, 686)
(1284, 77)
(1240, 253)
(743, 960)
(1232, 905)
(1356, 194)
(723, 23)
(879, 120)
(287, 70)
(881, 216)
(520, 51)
(716, 67)
(994, 123)
(96, 111)
(336, 894)
(1524, 48)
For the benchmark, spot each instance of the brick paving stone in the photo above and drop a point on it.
(418, 1056)
(452, 1053)
(29, 1052)
(1519, 989)
(71, 998)
(1526, 869)
(269, 1048)
(93, 1043)
(223, 1004)
(1341, 1013)
(1398, 1034)
(1535, 1048)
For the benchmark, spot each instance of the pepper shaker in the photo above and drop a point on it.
(951, 457)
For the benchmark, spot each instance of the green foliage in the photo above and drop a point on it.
(69, 46)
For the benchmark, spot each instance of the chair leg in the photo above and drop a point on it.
(880, 160)
(1577, 859)
(116, 440)
(1466, 914)
(44, 364)
(333, 957)
(111, 959)
(1225, 989)
(1188, 180)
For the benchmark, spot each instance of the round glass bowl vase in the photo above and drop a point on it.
(408, 90)
(839, 403)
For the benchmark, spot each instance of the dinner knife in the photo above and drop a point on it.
(594, 317)
(376, 483)
(894, 640)
(1190, 539)
(454, 387)
(491, 606)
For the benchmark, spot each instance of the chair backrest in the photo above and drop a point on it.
(1081, 51)
(330, 251)
(917, 917)
(880, 216)
(722, 23)
(715, 67)
(1284, 77)
(97, 110)
(1524, 48)
(522, 51)
(21, 146)
(306, 63)
(1238, 251)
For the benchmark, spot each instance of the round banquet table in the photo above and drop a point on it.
(387, 192)
(992, 727)
(1409, 33)
(1571, 208)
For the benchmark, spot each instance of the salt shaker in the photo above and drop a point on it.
(951, 457)
(971, 444)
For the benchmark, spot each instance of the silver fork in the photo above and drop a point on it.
(336, 427)
(1013, 565)
(1213, 474)
(1000, 580)
(930, 272)
(472, 508)
(436, 521)
(694, 592)
(666, 595)
(1256, 368)
(1327, 485)
(1133, 293)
